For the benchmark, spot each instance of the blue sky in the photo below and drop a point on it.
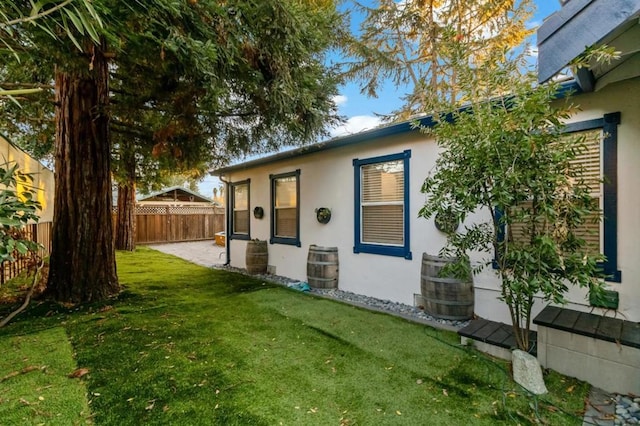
(360, 110)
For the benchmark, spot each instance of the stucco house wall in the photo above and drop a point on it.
(43, 179)
(327, 180)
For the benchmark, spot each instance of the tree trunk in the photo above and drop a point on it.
(125, 220)
(82, 267)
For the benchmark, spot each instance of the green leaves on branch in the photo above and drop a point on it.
(505, 162)
(17, 209)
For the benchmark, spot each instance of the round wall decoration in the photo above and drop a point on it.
(258, 212)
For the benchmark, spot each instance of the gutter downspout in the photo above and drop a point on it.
(227, 240)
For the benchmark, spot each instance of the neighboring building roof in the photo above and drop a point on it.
(366, 136)
(176, 194)
(582, 23)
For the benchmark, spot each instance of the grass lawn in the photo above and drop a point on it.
(187, 345)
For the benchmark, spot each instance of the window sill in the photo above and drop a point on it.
(384, 250)
(286, 241)
(239, 237)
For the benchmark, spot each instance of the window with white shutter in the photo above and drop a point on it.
(382, 205)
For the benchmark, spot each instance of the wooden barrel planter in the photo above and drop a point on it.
(322, 267)
(445, 297)
(257, 257)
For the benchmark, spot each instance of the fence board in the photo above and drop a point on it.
(168, 224)
(38, 232)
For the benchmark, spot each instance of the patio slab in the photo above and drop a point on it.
(204, 253)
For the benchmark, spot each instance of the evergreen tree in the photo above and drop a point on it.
(408, 43)
(173, 82)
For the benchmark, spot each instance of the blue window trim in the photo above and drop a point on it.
(609, 125)
(359, 246)
(232, 199)
(281, 240)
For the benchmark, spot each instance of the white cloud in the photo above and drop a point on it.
(340, 100)
(532, 51)
(356, 124)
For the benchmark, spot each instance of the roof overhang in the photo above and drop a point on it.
(566, 34)
(566, 89)
(338, 142)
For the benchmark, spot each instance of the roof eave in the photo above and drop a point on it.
(579, 24)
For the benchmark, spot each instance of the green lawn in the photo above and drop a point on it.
(187, 345)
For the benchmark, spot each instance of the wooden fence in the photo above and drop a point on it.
(38, 232)
(154, 224)
(169, 224)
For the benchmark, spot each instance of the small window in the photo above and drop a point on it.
(240, 210)
(285, 208)
(382, 205)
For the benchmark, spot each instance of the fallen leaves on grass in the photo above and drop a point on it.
(25, 370)
(79, 373)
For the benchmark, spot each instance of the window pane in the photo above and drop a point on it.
(241, 197)
(589, 161)
(285, 225)
(286, 192)
(589, 164)
(383, 224)
(240, 216)
(383, 182)
(241, 222)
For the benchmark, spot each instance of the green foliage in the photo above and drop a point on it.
(409, 43)
(503, 157)
(192, 345)
(17, 208)
(193, 83)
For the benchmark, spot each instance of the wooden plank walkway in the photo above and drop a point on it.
(495, 333)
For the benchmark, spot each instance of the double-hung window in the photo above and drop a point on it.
(598, 164)
(285, 208)
(240, 225)
(382, 205)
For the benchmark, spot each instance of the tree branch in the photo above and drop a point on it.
(37, 16)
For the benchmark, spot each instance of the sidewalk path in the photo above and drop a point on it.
(204, 253)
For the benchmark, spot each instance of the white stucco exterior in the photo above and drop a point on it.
(327, 180)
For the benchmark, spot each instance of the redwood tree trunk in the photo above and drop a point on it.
(126, 220)
(82, 267)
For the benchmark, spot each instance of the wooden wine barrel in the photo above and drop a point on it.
(257, 257)
(322, 267)
(445, 297)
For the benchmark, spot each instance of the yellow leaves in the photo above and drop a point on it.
(570, 389)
